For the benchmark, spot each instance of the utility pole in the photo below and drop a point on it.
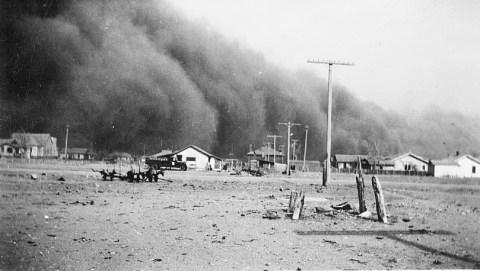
(326, 177)
(305, 152)
(66, 143)
(289, 125)
(294, 145)
(274, 146)
(283, 151)
(268, 151)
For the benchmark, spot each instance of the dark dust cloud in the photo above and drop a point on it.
(132, 74)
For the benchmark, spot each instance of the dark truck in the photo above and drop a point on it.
(166, 162)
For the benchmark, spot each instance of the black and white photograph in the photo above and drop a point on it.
(239, 135)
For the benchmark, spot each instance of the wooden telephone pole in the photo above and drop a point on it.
(289, 125)
(274, 146)
(294, 146)
(66, 143)
(326, 176)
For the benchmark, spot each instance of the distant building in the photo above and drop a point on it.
(405, 162)
(77, 154)
(9, 148)
(199, 159)
(37, 145)
(265, 153)
(465, 166)
(119, 157)
(350, 161)
(232, 164)
(195, 157)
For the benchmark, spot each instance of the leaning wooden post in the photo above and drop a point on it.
(362, 207)
(380, 203)
(293, 196)
(298, 205)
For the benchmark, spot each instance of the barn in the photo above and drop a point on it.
(198, 159)
(465, 166)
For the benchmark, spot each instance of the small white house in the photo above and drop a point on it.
(77, 154)
(407, 162)
(198, 159)
(9, 148)
(465, 166)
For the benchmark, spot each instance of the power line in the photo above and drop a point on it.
(326, 177)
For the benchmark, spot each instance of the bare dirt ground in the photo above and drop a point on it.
(215, 221)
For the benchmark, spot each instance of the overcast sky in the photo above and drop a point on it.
(407, 54)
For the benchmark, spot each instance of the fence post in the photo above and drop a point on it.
(379, 201)
(298, 203)
(360, 188)
(293, 196)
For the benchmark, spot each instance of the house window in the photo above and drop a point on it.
(191, 159)
(10, 150)
(474, 169)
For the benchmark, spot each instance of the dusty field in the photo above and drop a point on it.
(214, 221)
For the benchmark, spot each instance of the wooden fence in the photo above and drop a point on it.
(382, 172)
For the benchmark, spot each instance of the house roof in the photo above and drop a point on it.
(197, 149)
(444, 162)
(265, 150)
(453, 161)
(410, 154)
(472, 158)
(8, 141)
(162, 153)
(349, 158)
(32, 139)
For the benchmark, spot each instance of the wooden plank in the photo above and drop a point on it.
(298, 205)
(293, 196)
(362, 207)
(379, 200)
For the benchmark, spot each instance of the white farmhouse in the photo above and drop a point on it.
(465, 166)
(407, 162)
(198, 159)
